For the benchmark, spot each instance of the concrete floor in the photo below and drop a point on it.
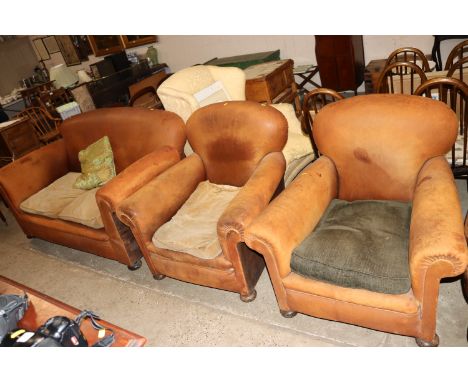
(174, 313)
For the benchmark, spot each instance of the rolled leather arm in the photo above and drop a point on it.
(436, 232)
(293, 214)
(158, 200)
(254, 196)
(136, 175)
(32, 172)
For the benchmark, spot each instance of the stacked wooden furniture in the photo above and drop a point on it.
(272, 82)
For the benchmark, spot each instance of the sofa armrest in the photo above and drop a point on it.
(177, 101)
(136, 175)
(32, 172)
(288, 219)
(437, 240)
(157, 201)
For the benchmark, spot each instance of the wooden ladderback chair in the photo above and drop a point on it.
(400, 78)
(454, 93)
(313, 102)
(408, 54)
(55, 98)
(45, 125)
(458, 52)
(456, 70)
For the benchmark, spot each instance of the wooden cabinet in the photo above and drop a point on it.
(341, 61)
(271, 82)
(17, 138)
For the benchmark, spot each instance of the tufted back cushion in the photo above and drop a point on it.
(232, 137)
(380, 142)
(132, 132)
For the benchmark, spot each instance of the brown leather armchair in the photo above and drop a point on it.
(144, 143)
(236, 143)
(376, 149)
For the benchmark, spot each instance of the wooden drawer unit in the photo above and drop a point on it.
(271, 82)
(17, 138)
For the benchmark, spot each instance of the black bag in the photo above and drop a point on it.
(12, 309)
(59, 331)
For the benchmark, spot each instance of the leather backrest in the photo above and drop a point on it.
(232, 137)
(133, 133)
(379, 142)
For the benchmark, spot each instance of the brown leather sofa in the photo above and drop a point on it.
(144, 143)
(375, 148)
(235, 143)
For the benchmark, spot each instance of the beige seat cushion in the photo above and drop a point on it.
(192, 229)
(83, 210)
(60, 200)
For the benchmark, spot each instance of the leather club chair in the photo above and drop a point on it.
(238, 144)
(365, 234)
(144, 144)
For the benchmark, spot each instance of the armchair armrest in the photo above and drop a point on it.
(32, 172)
(177, 101)
(437, 240)
(158, 200)
(254, 196)
(293, 214)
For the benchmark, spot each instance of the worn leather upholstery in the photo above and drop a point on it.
(145, 143)
(237, 143)
(375, 147)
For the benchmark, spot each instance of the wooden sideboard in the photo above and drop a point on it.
(17, 138)
(272, 82)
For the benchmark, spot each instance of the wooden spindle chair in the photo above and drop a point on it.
(313, 102)
(454, 93)
(456, 70)
(395, 76)
(458, 53)
(45, 125)
(408, 54)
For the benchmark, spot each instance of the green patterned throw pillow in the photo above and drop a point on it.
(97, 165)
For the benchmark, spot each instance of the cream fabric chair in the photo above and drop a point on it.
(178, 94)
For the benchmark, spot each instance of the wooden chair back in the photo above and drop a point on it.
(456, 70)
(454, 93)
(55, 98)
(45, 125)
(313, 102)
(408, 54)
(458, 52)
(400, 78)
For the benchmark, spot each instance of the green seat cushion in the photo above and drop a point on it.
(97, 165)
(360, 245)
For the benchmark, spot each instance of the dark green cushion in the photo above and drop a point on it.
(361, 244)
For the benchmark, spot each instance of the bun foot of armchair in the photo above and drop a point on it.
(159, 277)
(425, 344)
(136, 265)
(287, 313)
(250, 297)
